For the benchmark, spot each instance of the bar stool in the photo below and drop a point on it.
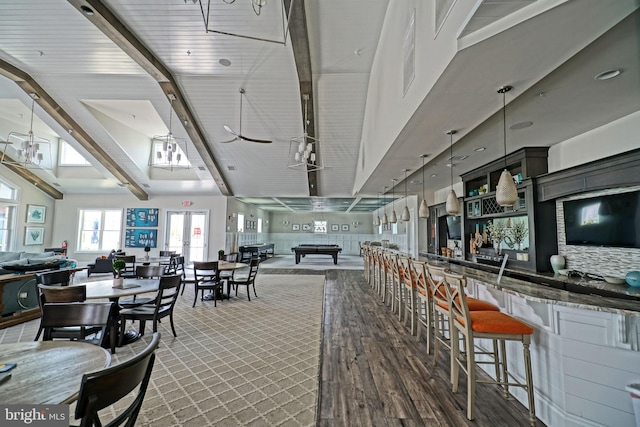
(409, 295)
(387, 287)
(441, 321)
(398, 278)
(365, 260)
(424, 302)
(496, 326)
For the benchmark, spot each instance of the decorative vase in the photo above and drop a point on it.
(497, 248)
(633, 278)
(557, 263)
(118, 282)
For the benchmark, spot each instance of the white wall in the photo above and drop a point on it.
(30, 195)
(65, 218)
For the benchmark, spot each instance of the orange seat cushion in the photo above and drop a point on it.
(474, 305)
(495, 322)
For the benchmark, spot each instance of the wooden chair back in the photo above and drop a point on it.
(407, 272)
(437, 288)
(205, 271)
(103, 388)
(176, 266)
(58, 294)
(253, 272)
(149, 271)
(419, 270)
(231, 257)
(168, 290)
(167, 253)
(57, 277)
(86, 316)
(455, 285)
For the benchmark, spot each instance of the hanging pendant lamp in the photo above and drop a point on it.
(394, 217)
(376, 222)
(385, 219)
(423, 211)
(452, 206)
(405, 212)
(506, 192)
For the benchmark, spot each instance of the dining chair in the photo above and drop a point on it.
(228, 274)
(51, 294)
(493, 326)
(83, 316)
(56, 277)
(129, 270)
(105, 387)
(165, 301)
(206, 277)
(143, 272)
(240, 279)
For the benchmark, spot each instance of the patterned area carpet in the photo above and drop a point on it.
(242, 363)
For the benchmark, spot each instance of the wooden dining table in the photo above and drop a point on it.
(48, 372)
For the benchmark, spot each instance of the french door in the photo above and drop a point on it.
(187, 232)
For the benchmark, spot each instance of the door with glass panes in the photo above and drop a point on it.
(186, 233)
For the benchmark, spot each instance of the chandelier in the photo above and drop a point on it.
(303, 149)
(257, 5)
(27, 150)
(167, 151)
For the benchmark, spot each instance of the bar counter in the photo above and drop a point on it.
(585, 347)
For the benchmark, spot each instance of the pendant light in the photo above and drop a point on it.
(506, 192)
(405, 212)
(423, 212)
(385, 219)
(394, 217)
(377, 220)
(452, 206)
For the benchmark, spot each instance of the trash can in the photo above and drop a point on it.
(634, 390)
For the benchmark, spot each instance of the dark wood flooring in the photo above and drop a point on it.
(375, 373)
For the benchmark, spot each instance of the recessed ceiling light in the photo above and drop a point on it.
(520, 125)
(86, 10)
(416, 181)
(433, 175)
(606, 75)
(225, 62)
(480, 149)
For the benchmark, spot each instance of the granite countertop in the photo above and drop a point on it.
(547, 288)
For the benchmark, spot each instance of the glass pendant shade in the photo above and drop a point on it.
(423, 212)
(405, 214)
(394, 218)
(506, 192)
(452, 206)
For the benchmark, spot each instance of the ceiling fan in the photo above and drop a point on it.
(238, 136)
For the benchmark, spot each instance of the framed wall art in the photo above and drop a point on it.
(36, 214)
(335, 227)
(345, 227)
(306, 227)
(295, 227)
(142, 217)
(140, 237)
(33, 236)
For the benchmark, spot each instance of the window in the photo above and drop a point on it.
(100, 229)
(319, 226)
(8, 200)
(240, 223)
(70, 157)
(259, 225)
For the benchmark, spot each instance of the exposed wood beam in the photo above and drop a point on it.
(106, 21)
(34, 179)
(299, 36)
(51, 107)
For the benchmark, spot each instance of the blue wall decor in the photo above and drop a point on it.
(139, 238)
(142, 217)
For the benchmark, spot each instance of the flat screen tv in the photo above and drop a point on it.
(612, 220)
(454, 228)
